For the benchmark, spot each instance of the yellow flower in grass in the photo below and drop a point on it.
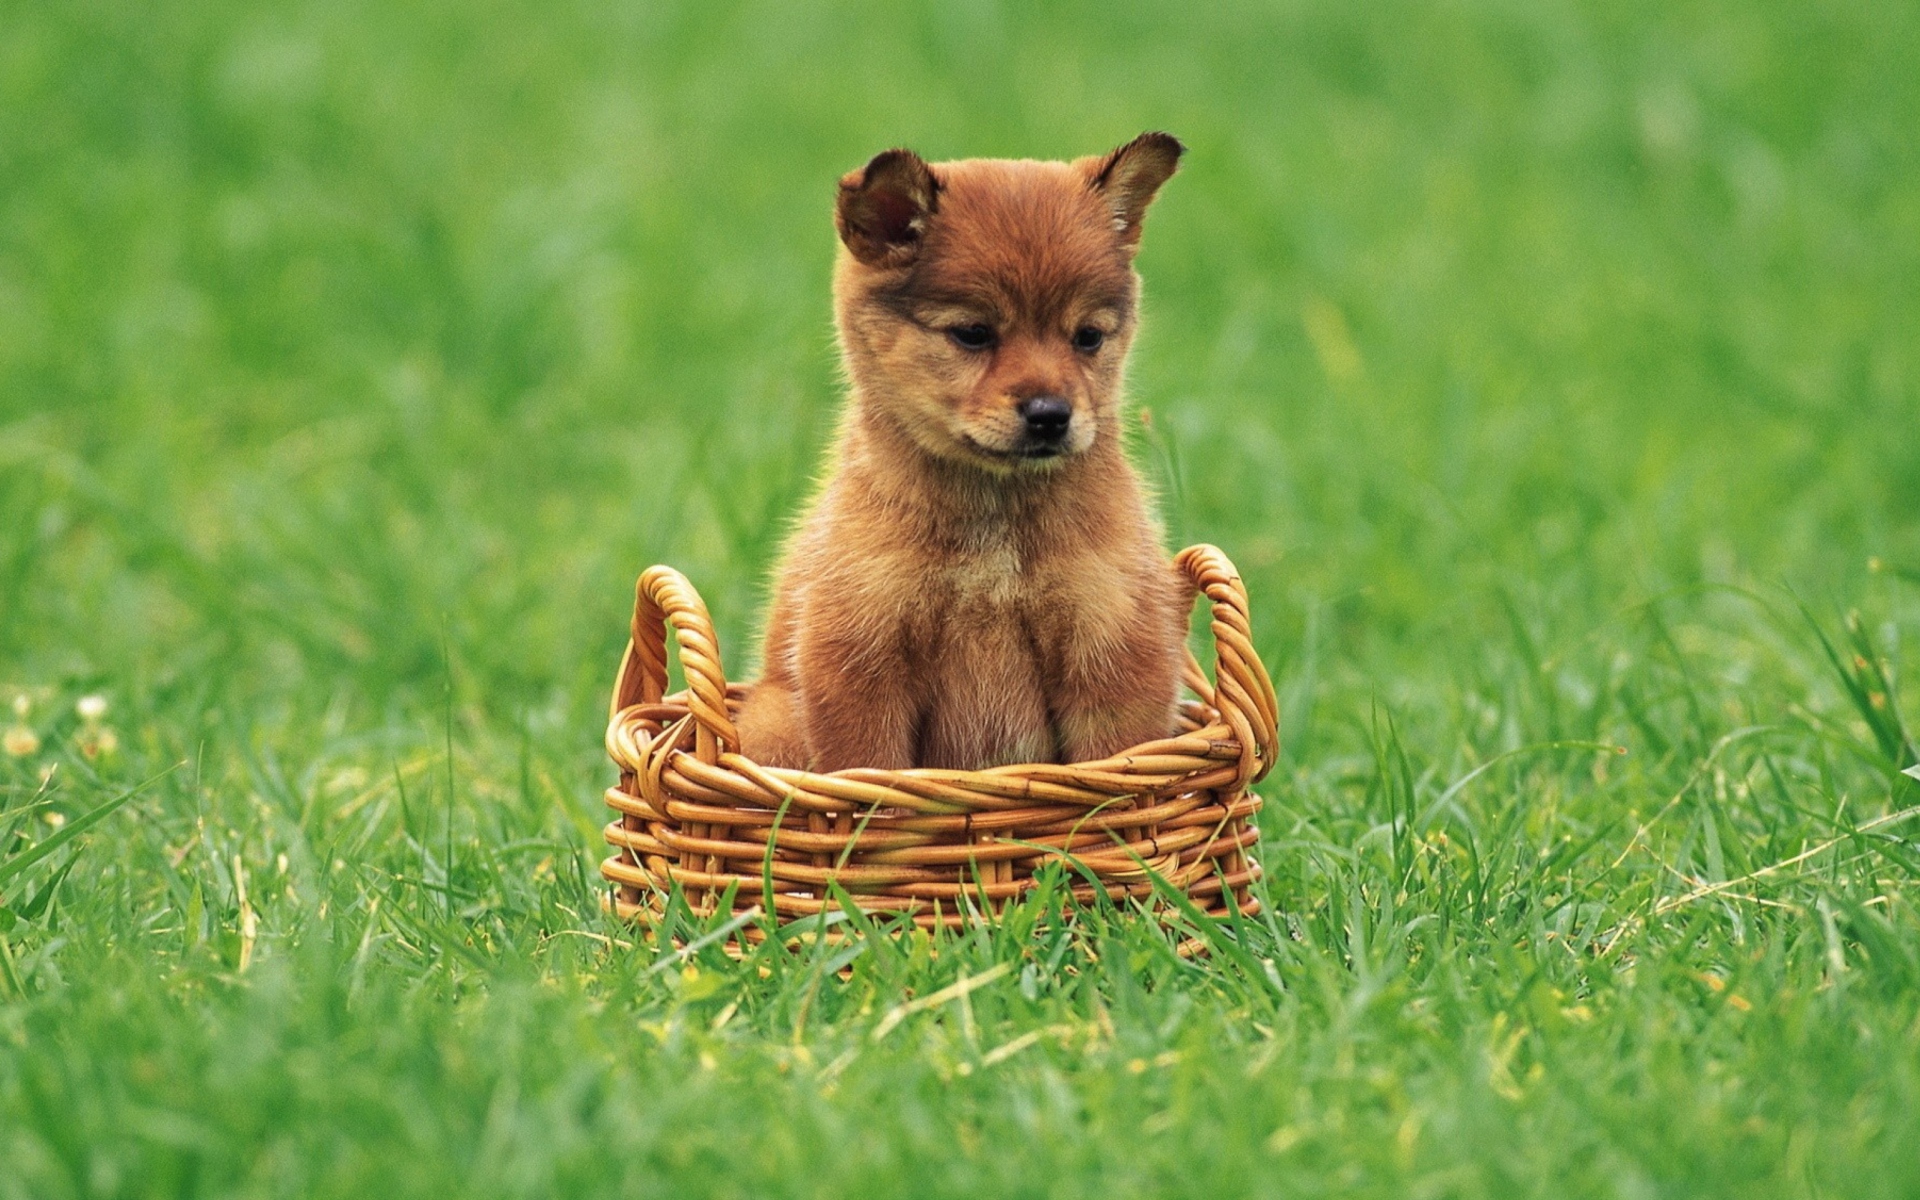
(20, 741)
(96, 740)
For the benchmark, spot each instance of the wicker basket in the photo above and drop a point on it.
(694, 812)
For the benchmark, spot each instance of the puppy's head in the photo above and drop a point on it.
(986, 306)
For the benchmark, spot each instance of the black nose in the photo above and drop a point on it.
(1047, 417)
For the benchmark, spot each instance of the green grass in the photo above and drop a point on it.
(1549, 372)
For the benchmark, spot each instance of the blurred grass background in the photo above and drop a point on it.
(1535, 362)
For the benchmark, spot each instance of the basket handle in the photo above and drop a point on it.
(1243, 691)
(664, 599)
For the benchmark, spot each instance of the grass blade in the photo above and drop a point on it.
(74, 828)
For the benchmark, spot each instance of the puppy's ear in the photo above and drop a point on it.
(884, 206)
(1128, 178)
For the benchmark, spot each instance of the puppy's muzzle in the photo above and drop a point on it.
(1047, 419)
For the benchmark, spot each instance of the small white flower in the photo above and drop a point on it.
(21, 704)
(91, 708)
(20, 741)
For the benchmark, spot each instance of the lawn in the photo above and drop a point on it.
(1550, 371)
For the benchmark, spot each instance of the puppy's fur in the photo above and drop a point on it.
(975, 584)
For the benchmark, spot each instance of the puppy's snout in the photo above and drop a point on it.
(1047, 417)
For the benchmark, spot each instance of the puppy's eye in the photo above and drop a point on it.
(1087, 339)
(971, 337)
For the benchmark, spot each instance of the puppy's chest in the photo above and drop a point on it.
(990, 576)
(981, 665)
(995, 601)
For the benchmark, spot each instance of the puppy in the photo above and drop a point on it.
(979, 580)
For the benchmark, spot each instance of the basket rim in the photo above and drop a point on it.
(1240, 702)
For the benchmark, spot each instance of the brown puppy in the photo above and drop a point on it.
(979, 581)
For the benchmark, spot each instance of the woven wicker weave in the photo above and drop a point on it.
(693, 811)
